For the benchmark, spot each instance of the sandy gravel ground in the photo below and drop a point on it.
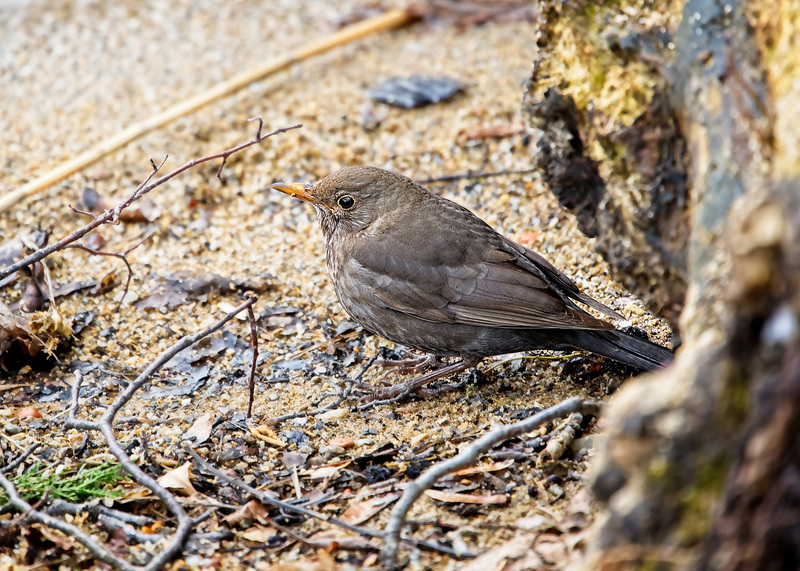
(74, 73)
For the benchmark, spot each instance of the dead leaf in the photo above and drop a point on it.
(60, 540)
(342, 442)
(493, 467)
(134, 494)
(336, 538)
(14, 329)
(145, 211)
(415, 440)
(28, 412)
(258, 533)
(155, 528)
(12, 250)
(324, 471)
(294, 459)
(200, 430)
(175, 288)
(362, 511)
(266, 434)
(178, 479)
(451, 497)
(498, 556)
(252, 510)
(334, 414)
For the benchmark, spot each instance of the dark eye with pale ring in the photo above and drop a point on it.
(346, 202)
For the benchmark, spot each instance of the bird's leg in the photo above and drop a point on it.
(400, 391)
(415, 364)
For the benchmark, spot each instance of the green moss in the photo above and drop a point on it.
(735, 399)
(699, 500)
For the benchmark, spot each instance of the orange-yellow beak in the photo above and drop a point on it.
(297, 190)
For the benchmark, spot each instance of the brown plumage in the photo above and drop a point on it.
(427, 273)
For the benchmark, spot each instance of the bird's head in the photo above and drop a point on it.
(352, 199)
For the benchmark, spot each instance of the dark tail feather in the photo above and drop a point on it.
(625, 348)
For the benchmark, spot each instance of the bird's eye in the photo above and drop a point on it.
(346, 202)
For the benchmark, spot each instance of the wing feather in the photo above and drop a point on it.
(474, 285)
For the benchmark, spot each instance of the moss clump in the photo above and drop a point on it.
(86, 483)
(699, 500)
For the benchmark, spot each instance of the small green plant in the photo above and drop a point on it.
(86, 483)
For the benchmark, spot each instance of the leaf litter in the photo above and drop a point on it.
(210, 229)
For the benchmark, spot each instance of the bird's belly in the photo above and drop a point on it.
(430, 337)
(435, 337)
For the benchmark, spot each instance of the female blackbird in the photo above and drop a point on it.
(427, 273)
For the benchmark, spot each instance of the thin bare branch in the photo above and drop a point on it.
(265, 499)
(73, 531)
(471, 174)
(254, 344)
(21, 458)
(468, 457)
(123, 256)
(105, 426)
(388, 20)
(112, 215)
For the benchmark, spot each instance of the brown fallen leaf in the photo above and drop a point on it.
(13, 250)
(451, 497)
(61, 541)
(145, 211)
(342, 442)
(134, 494)
(336, 538)
(200, 430)
(493, 467)
(266, 434)
(323, 472)
(155, 528)
(28, 412)
(178, 479)
(500, 556)
(15, 330)
(176, 288)
(360, 512)
(253, 510)
(258, 533)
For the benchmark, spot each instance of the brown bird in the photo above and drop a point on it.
(425, 272)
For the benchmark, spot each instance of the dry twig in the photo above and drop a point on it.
(105, 426)
(112, 216)
(563, 437)
(254, 344)
(471, 174)
(20, 459)
(387, 21)
(468, 457)
(265, 499)
(123, 256)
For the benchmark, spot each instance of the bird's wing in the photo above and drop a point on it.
(472, 281)
(533, 262)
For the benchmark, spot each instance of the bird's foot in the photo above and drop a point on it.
(398, 392)
(412, 365)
